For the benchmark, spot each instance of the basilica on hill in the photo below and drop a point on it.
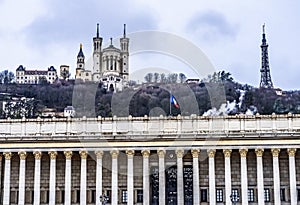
(110, 65)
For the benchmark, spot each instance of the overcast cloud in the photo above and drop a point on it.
(38, 34)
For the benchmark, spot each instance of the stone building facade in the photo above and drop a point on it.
(159, 160)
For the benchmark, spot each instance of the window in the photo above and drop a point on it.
(298, 194)
(94, 196)
(203, 195)
(251, 195)
(124, 196)
(267, 195)
(235, 195)
(282, 194)
(219, 195)
(139, 196)
(108, 194)
(77, 195)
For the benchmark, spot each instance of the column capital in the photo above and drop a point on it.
(292, 152)
(275, 152)
(37, 154)
(179, 153)
(83, 154)
(259, 152)
(130, 152)
(53, 154)
(7, 155)
(145, 153)
(227, 152)
(243, 152)
(22, 155)
(114, 154)
(161, 153)
(195, 152)
(68, 154)
(99, 154)
(211, 153)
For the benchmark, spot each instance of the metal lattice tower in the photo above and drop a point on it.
(265, 80)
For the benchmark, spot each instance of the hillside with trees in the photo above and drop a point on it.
(217, 94)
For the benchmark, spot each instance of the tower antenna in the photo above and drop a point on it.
(265, 80)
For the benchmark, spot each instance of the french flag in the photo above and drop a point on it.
(174, 101)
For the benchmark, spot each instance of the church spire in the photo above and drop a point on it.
(265, 80)
(124, 33)
(97, 30)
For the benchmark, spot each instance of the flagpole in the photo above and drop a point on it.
(170, 104)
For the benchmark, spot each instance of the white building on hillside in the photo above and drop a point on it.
(110, 65)
(24, 76)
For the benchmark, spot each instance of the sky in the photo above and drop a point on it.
(38, 34)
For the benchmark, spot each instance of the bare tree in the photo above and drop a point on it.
(163, 78)
(148, 78)
(156, 77)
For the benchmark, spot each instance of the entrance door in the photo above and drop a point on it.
(188, 185)
(171, 185)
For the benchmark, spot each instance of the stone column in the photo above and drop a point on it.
(68, 179)
(114, 177)
(260, 176)
(212, 178)
(99, 155)
(161, 169)
(292, 171)
(130, 183)
(180, 188)
(244, 178)
(22, 177)
(0, 173)
(52, 180)
(83, 155)
(276, 176)
(227, 154)
(146, 187)
(6, 188)
(196, 188)
(37, 177)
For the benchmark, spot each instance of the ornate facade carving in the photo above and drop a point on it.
(37, 154)
(99, 154)
(145, 153)
(259, 152)
(243, 152)
(114, 154)
(83, 154)
(68, 154)
(130, 152)
(227, 152)
(53, 154)
(179, 153)
(7, 155)
(161, 153)
(292, 152)
(195, 153)
(22, 155)
(275, 152)
(211, 153)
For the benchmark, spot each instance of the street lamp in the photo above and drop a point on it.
(103, 199)
(234, 197)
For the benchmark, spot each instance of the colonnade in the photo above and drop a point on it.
(161, 153)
